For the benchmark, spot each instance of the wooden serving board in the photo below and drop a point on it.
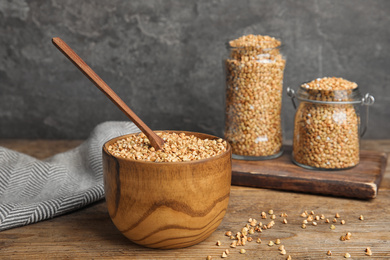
(281, 173)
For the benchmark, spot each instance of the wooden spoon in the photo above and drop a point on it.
(156, 141)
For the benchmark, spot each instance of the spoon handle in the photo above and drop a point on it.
(154, 139)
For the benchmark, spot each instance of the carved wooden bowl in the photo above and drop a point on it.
(167, 204)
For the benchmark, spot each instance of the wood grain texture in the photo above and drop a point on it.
(40, 149)
(90, 234)
(360, 182)
(167, 205)
(154, 139)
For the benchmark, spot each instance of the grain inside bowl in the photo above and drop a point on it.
(178, 147)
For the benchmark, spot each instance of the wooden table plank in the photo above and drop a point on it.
(281, 173)
(40, 149)
(90, 234)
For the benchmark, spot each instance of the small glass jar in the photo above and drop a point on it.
(327, 127)
(254, 87)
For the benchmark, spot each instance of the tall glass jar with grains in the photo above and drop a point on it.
(254, 86)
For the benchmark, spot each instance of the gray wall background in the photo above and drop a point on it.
(164, 58)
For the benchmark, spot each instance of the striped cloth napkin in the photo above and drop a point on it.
(33, 190)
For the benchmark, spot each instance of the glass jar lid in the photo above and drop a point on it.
(254, 47)
(331, 90)
(347, 96)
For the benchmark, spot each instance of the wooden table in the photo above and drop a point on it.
(90, 234)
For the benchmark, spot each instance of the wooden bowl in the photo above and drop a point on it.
(167, 204)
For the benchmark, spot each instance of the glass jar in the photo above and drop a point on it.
(327, 127)
(254, 86)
